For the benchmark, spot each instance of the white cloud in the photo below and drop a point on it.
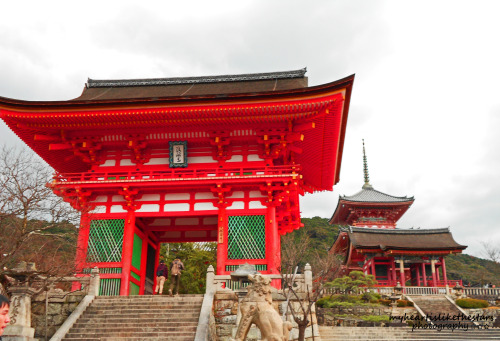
(425, 96)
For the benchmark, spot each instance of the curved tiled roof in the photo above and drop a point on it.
(93, 83)
(368, 194)
(193, 86)
(398, 239)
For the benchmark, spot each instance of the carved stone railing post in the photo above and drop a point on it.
(20, 314)
(94, 283)
(308, 278)
(210, 287)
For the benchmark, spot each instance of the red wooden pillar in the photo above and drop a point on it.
(402, 272)
(81, 248)
(373, 268)
(444, 271)
(222, 240)
(424, 275)
(394, 277)
(144, 259)
(157, 262)
(127, 250)
(82, 243)
(437, 273)
(433, 270)
(418, 275)
(272, 241)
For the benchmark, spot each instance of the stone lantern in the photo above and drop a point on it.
(21, 292)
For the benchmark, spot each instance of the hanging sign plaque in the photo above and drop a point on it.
(178, 154)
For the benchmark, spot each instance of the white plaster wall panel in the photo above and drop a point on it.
(201, 159)
(256, 194)
(203, 206)
(187, 221)
(204, 195)
(149, 208)
(149, 197)
(117, 209)
(117, 198)
(171, 234)
(126, 162)
(176, 207)
(101, 198)
(254, 157)
(255, 204)
(237, 205)
(237, 194)
(210, 221)
(236, 158)
(157, 161)
(98, 209)
(177, 196)
(108, 163)
(195, 234)
(161, 222)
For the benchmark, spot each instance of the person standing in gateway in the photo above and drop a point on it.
(175, 276)
(161, 276)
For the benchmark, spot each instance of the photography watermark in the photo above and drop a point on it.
(445, 321)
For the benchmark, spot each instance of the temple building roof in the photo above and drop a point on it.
(372, 195)
(193, 86)
(370, 207)
(402, 239)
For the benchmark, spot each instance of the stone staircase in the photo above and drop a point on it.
(134, 318)
(329, 333)
(441, 311)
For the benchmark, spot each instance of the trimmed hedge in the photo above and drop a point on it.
(404, 303)
(471, 303)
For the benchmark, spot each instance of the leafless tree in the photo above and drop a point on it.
(324, 269)
(491, 251)
(35, 225)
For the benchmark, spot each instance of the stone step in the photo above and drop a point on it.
(404, 333)
(117, 322)
(133, 329)
(154, 338)
(151, 318)
(172, 310)
(172, 335)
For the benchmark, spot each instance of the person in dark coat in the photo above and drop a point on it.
(4, 314)
(161, 276)
(175, 276)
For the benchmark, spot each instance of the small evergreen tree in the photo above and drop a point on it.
(352, 282)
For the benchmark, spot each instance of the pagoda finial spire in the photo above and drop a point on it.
(367, 184)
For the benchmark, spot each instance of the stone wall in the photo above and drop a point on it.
(226, 317)
(330, 316)
(61, 305)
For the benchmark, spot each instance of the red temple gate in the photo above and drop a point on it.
(208, 159)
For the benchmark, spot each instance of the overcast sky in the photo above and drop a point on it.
(426, 97)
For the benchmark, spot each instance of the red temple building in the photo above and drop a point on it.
(370, 241)
(195, 159)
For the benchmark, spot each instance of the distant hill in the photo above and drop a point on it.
(470, 269)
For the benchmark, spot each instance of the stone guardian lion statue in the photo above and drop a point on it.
(257, 307)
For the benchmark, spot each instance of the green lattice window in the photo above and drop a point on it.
(105, 241)
(246, 237)
(109, 287)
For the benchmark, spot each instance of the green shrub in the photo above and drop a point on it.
(376, 318)
(404, 303)
(322, 302)
(385, 302)
(471, 303)
(370, 297)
